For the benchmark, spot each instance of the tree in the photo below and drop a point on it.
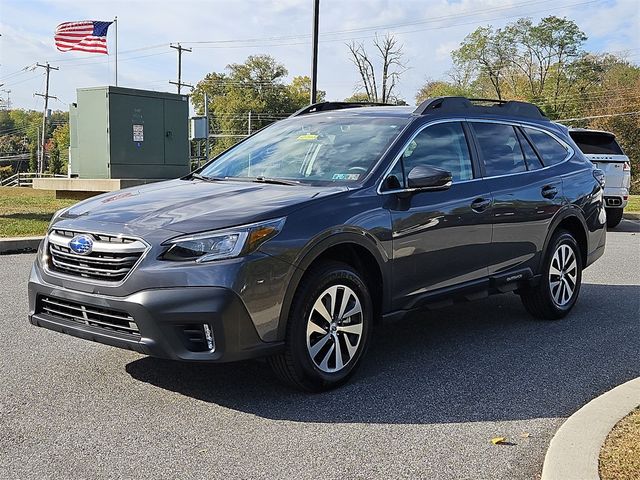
(33, 158)
(61, 138)
(252, 90)
(55, 163)
(379, 89)
(485, 52)
(300, 91)
(537, 62)
(440, 88)
(545, 53)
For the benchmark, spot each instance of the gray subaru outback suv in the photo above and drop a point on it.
(292, 244)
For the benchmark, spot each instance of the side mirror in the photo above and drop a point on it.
(425, 177)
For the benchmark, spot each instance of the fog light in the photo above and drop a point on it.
(208, 335)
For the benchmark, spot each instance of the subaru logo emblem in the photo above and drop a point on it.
(81, 244)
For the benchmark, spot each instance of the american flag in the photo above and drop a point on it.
(86, 36)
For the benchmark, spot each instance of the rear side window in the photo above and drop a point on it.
(443, 145)
(531, 157)
(500, 148)
(552, 151)
(596, 143)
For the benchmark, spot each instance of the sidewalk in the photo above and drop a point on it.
(575, 449)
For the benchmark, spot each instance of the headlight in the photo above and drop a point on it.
(221, 244)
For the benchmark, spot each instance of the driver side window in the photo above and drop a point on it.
(444, 146)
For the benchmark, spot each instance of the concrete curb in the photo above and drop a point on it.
(631, 215)
(19, 244)
(575, 449)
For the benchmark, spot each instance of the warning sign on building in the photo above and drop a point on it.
(138, 133)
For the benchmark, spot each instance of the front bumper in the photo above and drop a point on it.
(163, 317)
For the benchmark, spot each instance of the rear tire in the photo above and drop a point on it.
(328, 329)
(559, 286)
(614, 216)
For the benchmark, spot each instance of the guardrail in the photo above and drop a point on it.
(25, 179)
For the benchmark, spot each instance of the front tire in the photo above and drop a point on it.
(328, 329)
(556, 294)
(614, 216)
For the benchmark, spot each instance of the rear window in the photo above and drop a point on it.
(550, 149)
(595, 142)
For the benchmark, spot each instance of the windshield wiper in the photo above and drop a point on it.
(275, 181)
(205, 178)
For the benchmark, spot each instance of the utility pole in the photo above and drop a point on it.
(314, 58)
(115, 21)
(39, 146)
(46, 97)
(179, 83)
(249, 123)
(206, 116)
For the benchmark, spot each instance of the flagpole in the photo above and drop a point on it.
(116, 22)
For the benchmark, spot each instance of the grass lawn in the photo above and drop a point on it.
(620, 455)
(634, 204)
(26, 212)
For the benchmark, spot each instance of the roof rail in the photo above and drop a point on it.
(463, 105)
(327, 106)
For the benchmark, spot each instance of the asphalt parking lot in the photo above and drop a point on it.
(435, 388)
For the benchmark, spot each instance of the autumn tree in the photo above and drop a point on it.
(440, 88)
(254, 91)
(486, 53)
(538, 62)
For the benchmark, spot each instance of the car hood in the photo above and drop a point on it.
(188, 206)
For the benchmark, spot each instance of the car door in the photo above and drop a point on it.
(526, 195)
(440, 238)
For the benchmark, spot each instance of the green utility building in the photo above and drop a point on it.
(123, 133)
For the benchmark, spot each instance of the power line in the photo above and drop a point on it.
(637, 112)
(371, 28)
(226, 43)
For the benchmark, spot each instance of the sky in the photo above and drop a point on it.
(221, 32)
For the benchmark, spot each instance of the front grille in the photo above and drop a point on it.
(104, 318)
(111, 258)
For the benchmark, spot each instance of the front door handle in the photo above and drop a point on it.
(549, 191)
(479, 205)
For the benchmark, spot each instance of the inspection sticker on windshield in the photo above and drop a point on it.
(346, 176)
(308, 136)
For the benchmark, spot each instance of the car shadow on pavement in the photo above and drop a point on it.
(482, 361)
(629, 226)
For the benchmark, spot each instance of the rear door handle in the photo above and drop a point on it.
(479, 205)
(549, 191)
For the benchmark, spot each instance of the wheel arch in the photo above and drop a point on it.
(572, 220)
(357, 249)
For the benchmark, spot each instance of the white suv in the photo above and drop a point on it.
(605, 153)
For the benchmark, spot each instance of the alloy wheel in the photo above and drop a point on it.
(563, 275)
(334, 328)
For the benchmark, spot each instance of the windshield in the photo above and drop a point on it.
(317, 150)
(596, 143)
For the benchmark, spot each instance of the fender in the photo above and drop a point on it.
(320, 244)
(567, 211)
